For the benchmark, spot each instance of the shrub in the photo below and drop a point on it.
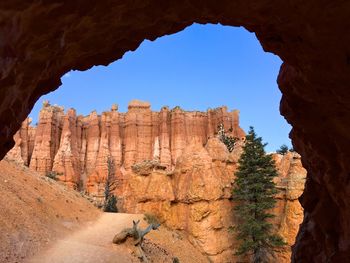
(52, 175)
(229, 141)
(283, 149)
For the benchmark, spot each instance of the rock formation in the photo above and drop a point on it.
(47, 138)
(195, 197)
(167, 163)
(288, 210)
(24, 144)
(77, 147)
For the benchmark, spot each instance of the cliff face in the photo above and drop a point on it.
(77, 147)
(195, 197)
(288, 210)
(23, 149)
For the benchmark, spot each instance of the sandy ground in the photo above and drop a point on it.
(93, 244)
(35, 211)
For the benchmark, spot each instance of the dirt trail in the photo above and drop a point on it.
(91, 244)
(40, 217)
(36, 211)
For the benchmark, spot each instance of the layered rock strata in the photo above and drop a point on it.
(77, 147)
(195, 197)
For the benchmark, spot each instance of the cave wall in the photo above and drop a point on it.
(41, 40)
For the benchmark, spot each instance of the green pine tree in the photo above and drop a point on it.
(229, 141)
(254, 192)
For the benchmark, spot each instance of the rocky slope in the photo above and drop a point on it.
(166, 163)
(35, 211)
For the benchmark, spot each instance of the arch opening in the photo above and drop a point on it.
(202, 74)
(49, 39)
(203, 66)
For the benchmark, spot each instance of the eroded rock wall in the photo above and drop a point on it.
(47, 138)
(77, 147)
(195, 197)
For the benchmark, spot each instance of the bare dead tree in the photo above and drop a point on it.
(137, 234)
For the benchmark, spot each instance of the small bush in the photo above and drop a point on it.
(283, 149)
(151, 219)
(52, 175)
(229, 141)
(176, 260)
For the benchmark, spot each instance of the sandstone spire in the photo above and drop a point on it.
(77, 147)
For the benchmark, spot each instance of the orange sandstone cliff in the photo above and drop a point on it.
(77, 147)
(195, 197)
(167, 163)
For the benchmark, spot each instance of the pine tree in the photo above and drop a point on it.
(110, 202)
(254, 192)
(229, 141)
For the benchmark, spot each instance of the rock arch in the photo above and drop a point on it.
(41, 40)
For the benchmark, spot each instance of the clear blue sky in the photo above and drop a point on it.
(204, 66)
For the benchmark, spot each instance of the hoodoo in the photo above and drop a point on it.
(76, 147)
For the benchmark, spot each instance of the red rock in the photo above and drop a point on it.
(138, 139)
(47, 138)
(66, 162)
(15, 154)
(77, 147)
(24, 144)
(195, 197)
